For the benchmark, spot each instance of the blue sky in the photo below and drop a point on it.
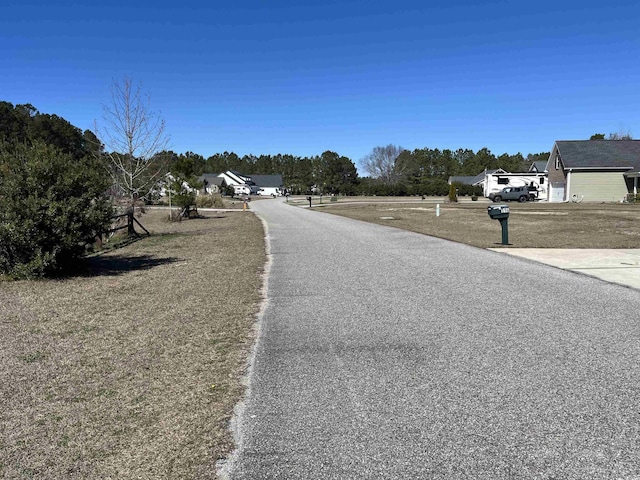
(279, 76)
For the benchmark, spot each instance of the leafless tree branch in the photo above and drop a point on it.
(133, 136)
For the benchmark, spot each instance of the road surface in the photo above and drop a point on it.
(385, 354)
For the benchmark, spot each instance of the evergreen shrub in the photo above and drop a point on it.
(52, 208)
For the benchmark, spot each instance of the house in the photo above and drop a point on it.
(212, 183)
(167, 185)
(538, 167)
(269, 184)
(233, 177)
(245, 184)
(593, 170)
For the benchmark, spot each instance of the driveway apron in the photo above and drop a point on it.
(388, 354)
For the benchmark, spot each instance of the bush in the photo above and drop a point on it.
(469, 190)
(453, 194)
(217, 201)
(204, 201)
(53, 208)
(209, 201)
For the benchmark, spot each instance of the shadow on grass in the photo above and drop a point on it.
(120, 264)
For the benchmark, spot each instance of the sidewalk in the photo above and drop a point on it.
(621, 266)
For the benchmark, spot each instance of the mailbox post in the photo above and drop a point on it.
(501, 213)
(309, 198)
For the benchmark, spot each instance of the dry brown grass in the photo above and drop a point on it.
(132, 371)
(531, 225)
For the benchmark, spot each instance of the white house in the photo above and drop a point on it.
(233, 177)
(269, 185)
(248, 185)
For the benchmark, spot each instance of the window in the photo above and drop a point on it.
(557, 161)
(503, 181)
(541, 180)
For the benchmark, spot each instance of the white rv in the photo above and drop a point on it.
(495, 182)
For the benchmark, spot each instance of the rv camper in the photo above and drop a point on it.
(536, 182)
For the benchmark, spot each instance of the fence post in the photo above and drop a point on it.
(130, 230)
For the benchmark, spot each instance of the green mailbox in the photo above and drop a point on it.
(501, 213)
(498, 212)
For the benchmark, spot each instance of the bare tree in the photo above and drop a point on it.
(620, 135)
(134, 137)
(381, 163)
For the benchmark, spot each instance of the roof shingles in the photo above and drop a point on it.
(600, 153)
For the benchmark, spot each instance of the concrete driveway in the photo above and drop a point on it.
(611, 265)
(388, 354)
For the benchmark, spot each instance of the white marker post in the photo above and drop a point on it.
(437, 209)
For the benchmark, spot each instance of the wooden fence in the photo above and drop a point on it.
(118, 225)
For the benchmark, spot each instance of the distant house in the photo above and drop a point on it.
(245, 184)
(593, 170)
(538, 167)
(212, 183)
(233, 177)
(269, 184)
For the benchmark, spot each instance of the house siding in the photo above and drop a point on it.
(598, 186)
(557, 178)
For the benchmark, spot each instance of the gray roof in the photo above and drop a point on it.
(267, 180)
(599, 153)
(539, 166)
(212, 179)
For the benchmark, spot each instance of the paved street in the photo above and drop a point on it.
(385, 354)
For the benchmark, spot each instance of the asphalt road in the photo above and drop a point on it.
(388, 354)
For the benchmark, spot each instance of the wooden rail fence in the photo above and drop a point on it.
(130, 224)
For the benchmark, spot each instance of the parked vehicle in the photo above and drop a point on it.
(521, 194)
(242, 190)
(537, 182)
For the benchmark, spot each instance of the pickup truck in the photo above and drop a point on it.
(521, 194)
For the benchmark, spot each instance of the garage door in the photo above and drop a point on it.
(598, 187)
(556, 192)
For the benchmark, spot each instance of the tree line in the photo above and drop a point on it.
(424, 171)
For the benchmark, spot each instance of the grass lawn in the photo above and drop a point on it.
(531, 225)
(132, 370)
